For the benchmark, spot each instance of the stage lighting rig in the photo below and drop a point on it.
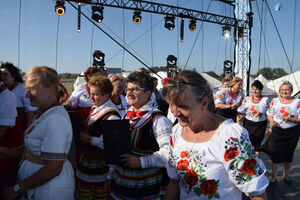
(192, 25)
(137, 18)
(60, 8)
(228, 67)
(98, 59)
(226, 31)
(97, 13)
(172, 66)
(169, 22)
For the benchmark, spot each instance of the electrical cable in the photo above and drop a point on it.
(115, 41)
(196, 38)
(283, 47)
(56, 48)
(123, 57)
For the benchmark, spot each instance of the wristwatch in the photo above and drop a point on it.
(17, 188)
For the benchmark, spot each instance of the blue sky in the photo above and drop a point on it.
(39, 27)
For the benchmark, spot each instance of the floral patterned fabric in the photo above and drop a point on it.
(224, 97)
(255, 112)
(218, 169)
(279, 110)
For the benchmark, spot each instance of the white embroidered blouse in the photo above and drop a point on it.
(279, 110)
(224, 97)
(80, 97)
(221, 168)
(255, 112)
(8, 111)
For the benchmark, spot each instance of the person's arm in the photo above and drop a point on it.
(260, 197)
(272, 123)
(29, 118)
(292, 119)
(222, 106)
(11, 153)
(173, 190)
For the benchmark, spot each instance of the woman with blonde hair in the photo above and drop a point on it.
(44, 172)
(116, 96)
(284, 116)
(228, 100)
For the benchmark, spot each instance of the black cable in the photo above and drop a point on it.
(56, 49)
(260, 33)
(123, 57)
(196, 38)
(281, 42)
(115, 41)
(202, 42)
(19, 35)
(151, 38)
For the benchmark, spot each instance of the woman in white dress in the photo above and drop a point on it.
(210, 157)
(44, 173)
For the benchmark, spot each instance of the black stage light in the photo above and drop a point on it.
(137, 18)
(192, 25)
(171, 61)
(228, 67)
(60, 8)
(226, 31)
(169, 22)
(97, 13)
(98, 59)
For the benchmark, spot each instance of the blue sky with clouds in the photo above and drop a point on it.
(38, 29)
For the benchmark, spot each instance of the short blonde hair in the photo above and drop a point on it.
(45, 76)
(234, 81)
(285, 83)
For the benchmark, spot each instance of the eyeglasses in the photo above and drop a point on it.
(134, 90)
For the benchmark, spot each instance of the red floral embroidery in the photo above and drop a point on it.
(254, 112)
(292, 116)
(245, 100)
(299, 106)
(282, 111)
(171, 142)
(209, 187)
(220, 96)
(185, 154)
(259, 115)
(191, 177)
(248, 166)
(267, 103)
(225, 94)
(233, 138)
(286, 114)
(252, 108)
(272, 103)
(231, 153)
(183, 165)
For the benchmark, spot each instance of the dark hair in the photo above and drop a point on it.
(258, 85)
(176, 86)
(143, 79)
(14, 71)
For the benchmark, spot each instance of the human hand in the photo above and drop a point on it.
(239, 119)
(84, 137)
(235, 105)
(9, 194)
(4, 152)
(131, 161)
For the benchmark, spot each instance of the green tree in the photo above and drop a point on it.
(271, 74)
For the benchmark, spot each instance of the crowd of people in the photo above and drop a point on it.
(188, 141)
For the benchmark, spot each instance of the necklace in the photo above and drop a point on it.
(256, 100)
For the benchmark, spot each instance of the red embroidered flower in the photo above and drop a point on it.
(233, 138)
(183, 165)
(215, 98)
(171, 142)
(252, 108)
(282, 111)
(166, 81)
(191, 177)
(194, 160)
(282, 108)
(209, 187)
(267, 103)
(292, 116)
(259, 115)
(298, 106)
(272, 103)
(248, 166)
(225, 94)
(245, 100)
(184, 154)
(254, 112)
(220, 96)
(231, 153)
(286, 114)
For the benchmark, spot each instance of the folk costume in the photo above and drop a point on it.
(121, 106)
(149, 133)
(8, 114)
(49, 137)
(220, 168)
(92, 169)
(255, 120)
(281, 143)
(225, 96)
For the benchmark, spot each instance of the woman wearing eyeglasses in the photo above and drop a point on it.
(142, 174)
(228, 100)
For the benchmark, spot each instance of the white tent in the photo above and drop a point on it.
(293, 78)
(211, 80)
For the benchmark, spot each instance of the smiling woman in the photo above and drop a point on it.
(209, 157)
